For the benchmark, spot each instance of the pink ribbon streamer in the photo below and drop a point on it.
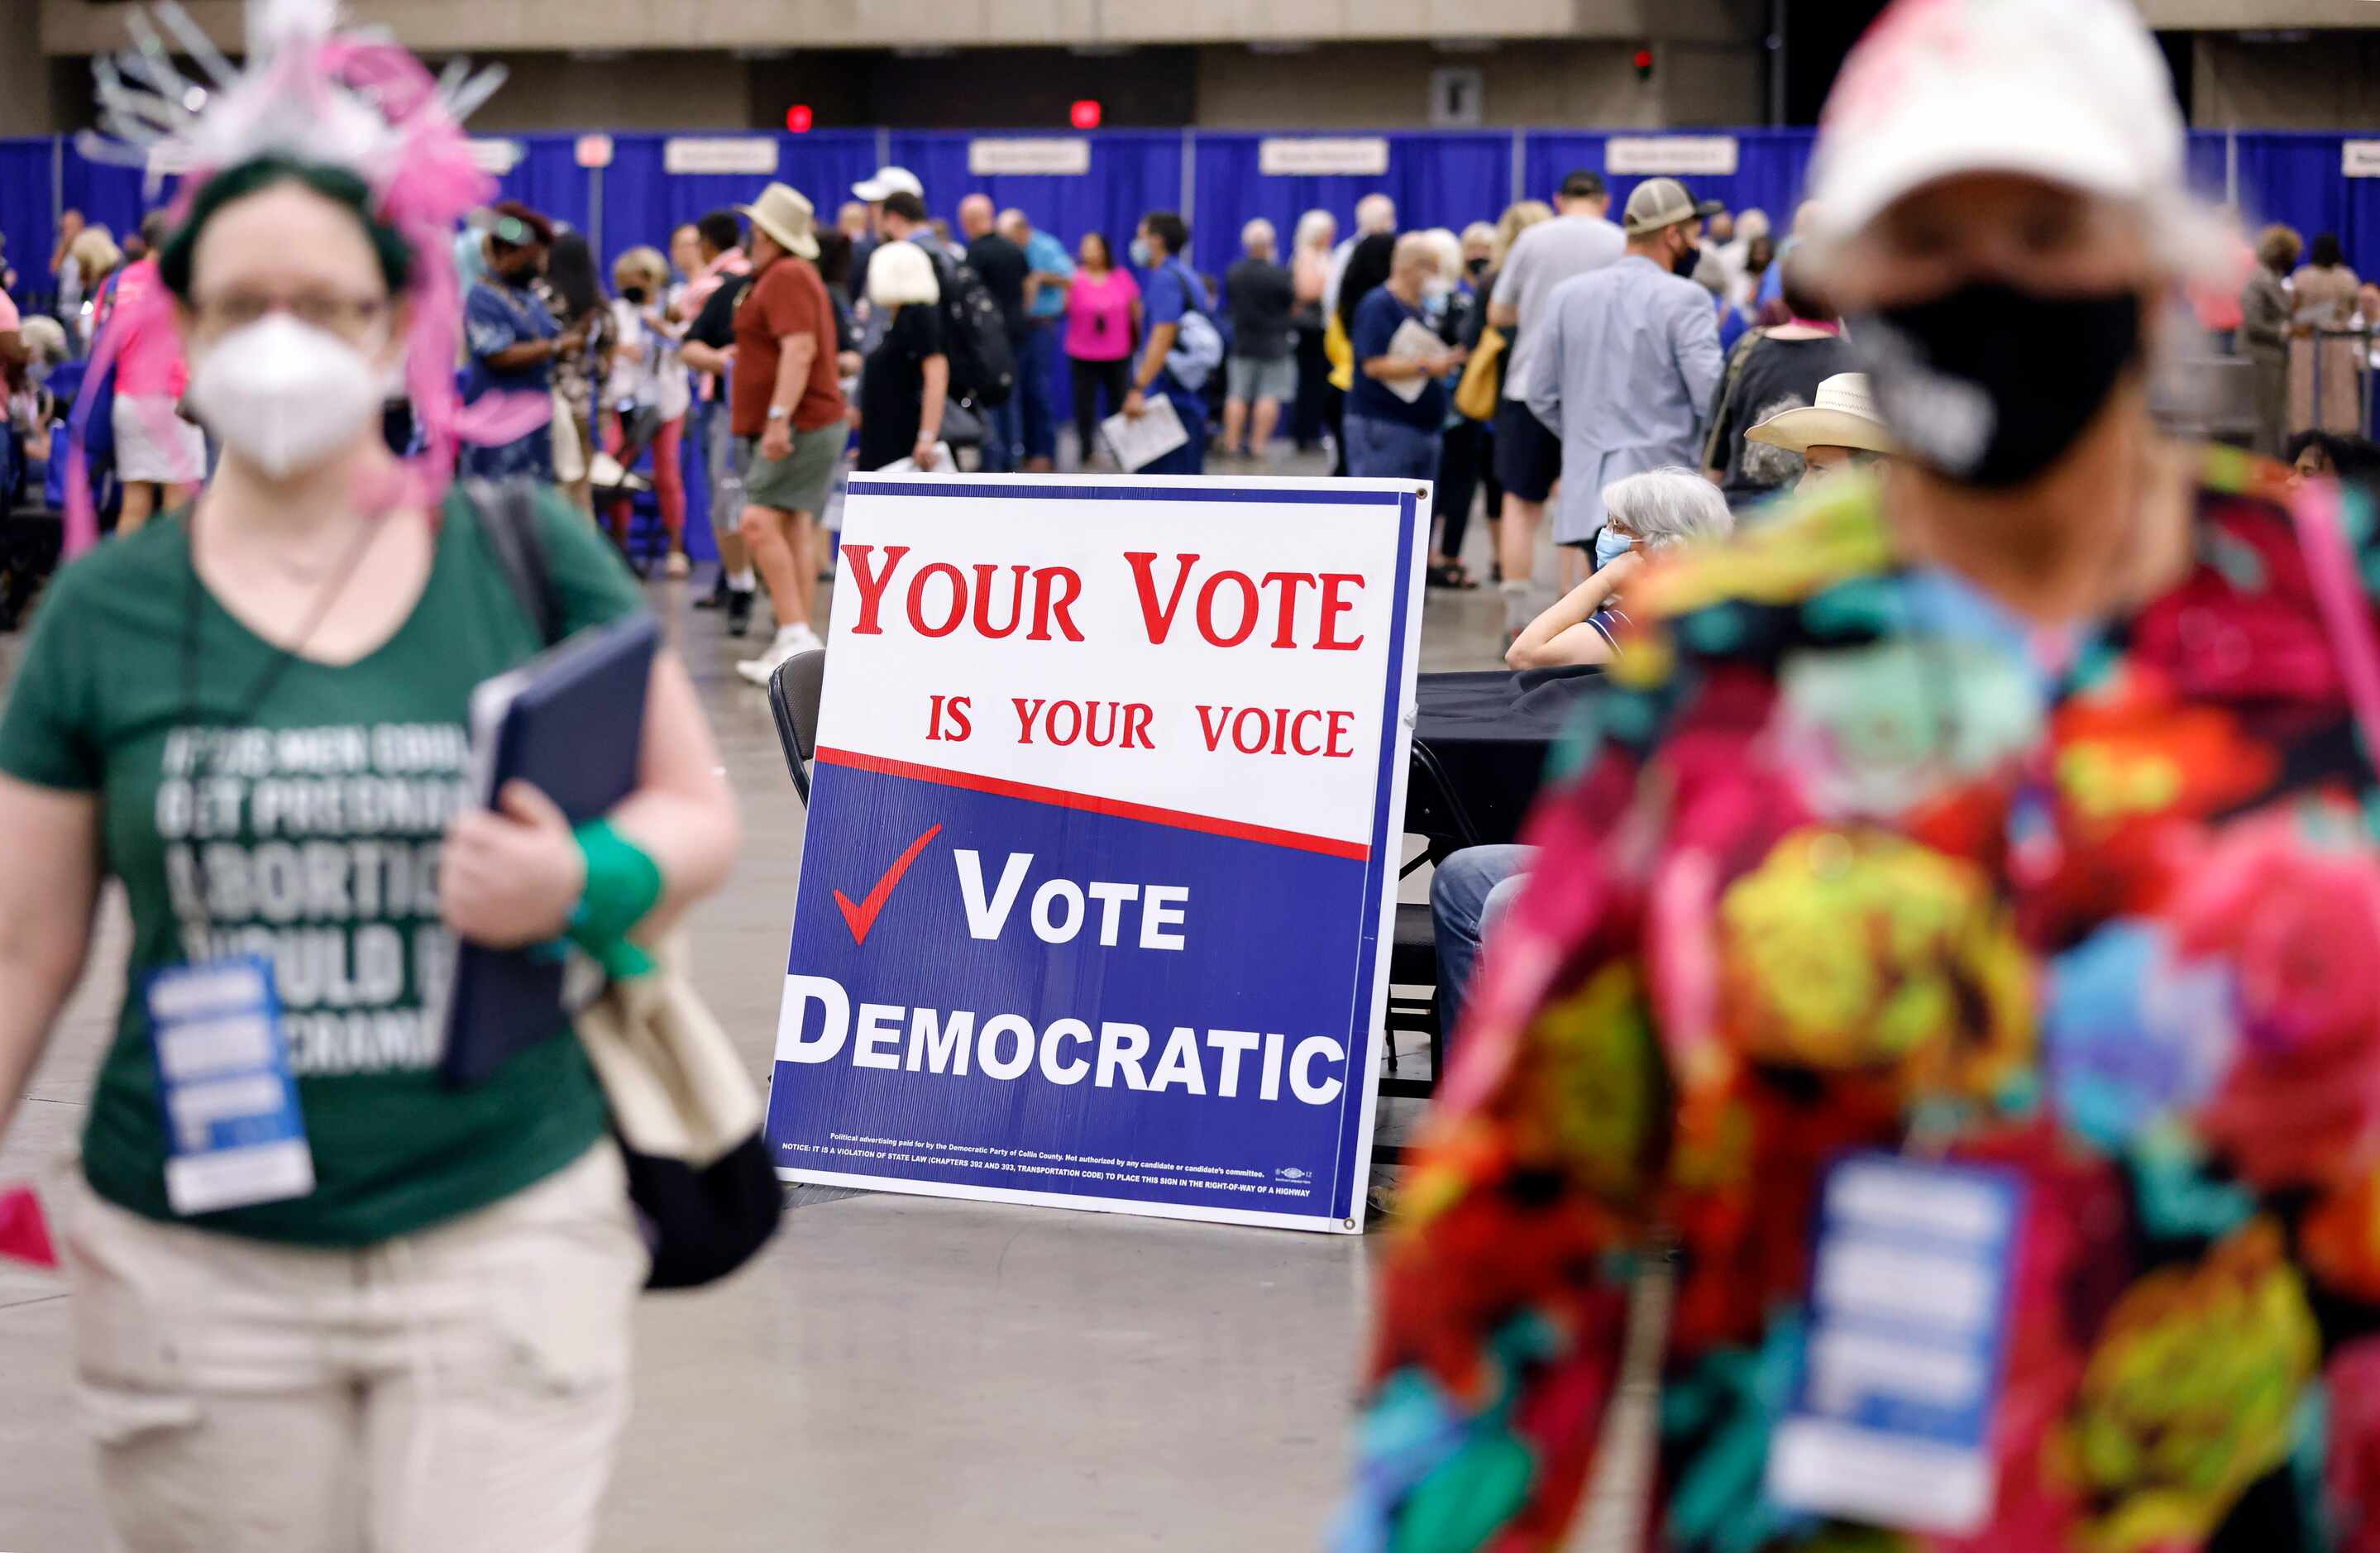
(24, 1234)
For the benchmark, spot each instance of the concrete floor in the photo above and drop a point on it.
(895, 1373)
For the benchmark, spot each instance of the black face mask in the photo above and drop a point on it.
(635, 293)
(1683, 262)
(1476, 266)
(1991, 385)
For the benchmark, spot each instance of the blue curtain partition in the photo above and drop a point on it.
(548, 177)
(1447, 179)
(1436, 179)
(109, 194)
(643, 203)
(28, 217)
(1133, 173)
(1213, 177)
(1771, 166)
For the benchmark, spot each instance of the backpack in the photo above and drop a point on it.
(975, 334)
(1714, 455)
(1197, 344)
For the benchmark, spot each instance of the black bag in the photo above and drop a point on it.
(701, 1224)
(29, 544)
(975, 335)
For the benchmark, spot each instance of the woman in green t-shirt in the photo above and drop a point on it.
(255, 717)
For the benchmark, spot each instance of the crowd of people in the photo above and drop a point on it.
(1523, 364)
(771, 352)
(1979, 787)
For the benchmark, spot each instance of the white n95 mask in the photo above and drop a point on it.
(284, 395)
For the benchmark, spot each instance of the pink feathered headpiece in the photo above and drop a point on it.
(312, 93)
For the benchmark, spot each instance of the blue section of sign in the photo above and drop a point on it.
(1272, 939)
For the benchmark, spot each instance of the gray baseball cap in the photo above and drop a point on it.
(1659, 203)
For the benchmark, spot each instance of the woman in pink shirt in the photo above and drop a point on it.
(160, 456)
(1102, 326)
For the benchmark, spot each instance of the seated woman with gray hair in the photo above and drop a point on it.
(1642, 514)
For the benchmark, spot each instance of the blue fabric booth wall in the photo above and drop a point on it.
(642, 203)
(1438, 179)
(1770, 167)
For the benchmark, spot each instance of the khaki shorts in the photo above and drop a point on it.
(800, 480)
(457, 1390)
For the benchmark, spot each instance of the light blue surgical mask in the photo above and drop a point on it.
(1140, 254)
(1610, 545)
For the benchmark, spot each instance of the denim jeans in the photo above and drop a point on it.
(1190, 458)
(1390, 449)
(1468, 895)
(1002, 427)
(1036, 383)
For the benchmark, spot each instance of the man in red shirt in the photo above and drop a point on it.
(785, 397)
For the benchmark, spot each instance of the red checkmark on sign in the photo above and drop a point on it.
(862, 917)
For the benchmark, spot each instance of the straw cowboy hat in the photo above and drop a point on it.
(1844, 415)
(784, 216)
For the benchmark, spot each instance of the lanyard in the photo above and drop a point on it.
(282, 656)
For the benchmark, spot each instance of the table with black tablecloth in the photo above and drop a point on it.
(1488, 735)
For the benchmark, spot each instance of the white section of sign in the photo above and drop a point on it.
(1458, 95)
(755, 155)
(495, 156)
(1675, 155)
(1361, 156)
(594, 151)
(1275, 688)
(1036, 155)
(2359, 159)
(168, 160)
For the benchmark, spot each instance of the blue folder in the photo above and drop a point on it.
(569, 721)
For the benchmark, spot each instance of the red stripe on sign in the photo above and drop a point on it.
(1299, 840)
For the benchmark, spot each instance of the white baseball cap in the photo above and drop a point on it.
(889, 180)
(2071, 91)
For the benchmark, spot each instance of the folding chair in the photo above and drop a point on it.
(793, 688)
(1435, 812)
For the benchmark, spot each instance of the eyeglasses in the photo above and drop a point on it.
(345, 316)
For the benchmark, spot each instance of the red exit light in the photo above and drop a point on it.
(1086, 115)
(798, 118)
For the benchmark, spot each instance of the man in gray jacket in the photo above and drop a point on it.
(1628, 359)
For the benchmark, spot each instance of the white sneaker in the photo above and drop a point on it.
(789, 641)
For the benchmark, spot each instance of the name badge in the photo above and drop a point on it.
(234, 1136)
(1901, 1371)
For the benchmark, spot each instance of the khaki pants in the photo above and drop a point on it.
(459, 1389)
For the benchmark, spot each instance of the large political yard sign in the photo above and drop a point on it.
(1102, 844)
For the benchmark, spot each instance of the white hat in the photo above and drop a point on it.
(2072, 91)
(1844, 415)
(889, 180)
(784, 214)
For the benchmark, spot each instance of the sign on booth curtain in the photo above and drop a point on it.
(1103, 842)
(1673, 155)
(755, 155)
(1312, 157)
(1036, 155)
